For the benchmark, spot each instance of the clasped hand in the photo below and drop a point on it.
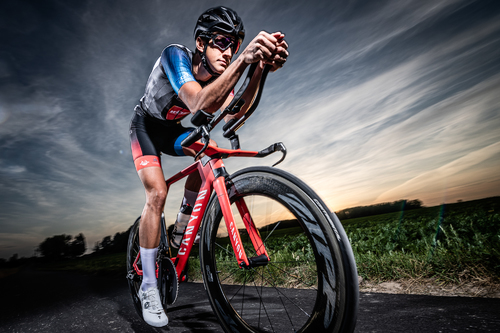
(268, 49)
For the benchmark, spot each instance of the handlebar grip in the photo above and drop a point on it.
(229, 124)
(192, 138)
(201, 118)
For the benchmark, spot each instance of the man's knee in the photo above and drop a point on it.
(156, 198)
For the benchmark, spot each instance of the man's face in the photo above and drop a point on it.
(220, 52)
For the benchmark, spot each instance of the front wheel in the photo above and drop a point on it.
(310, 283)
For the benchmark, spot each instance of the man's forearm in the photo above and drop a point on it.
(212, 97)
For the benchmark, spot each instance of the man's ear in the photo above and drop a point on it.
(200, 44)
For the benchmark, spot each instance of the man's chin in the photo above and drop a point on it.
(219, 72)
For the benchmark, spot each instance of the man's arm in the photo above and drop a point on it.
(213, 96)
(276, 61)
(216, 95)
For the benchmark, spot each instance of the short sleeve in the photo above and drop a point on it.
(177, 65)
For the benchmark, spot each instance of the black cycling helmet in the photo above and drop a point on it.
(218, 19)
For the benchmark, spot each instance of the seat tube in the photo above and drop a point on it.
(193, 225)
(234, 234)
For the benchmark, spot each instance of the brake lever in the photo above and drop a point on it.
(272, 149)
(205, 136)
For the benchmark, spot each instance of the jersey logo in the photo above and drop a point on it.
(176, 112)
(144, 162)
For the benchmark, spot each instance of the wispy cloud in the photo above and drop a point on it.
(415, 116)
(455, 172)
(376, 102)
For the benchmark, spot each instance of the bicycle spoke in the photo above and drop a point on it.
(286, 294)
(284, 307)
(269, 234)
(227, 277)
(281, 295)
(225, 249)
(285, 272)
(262, 303)
(236, 293)
(266, 276)
(243, 298)
(274, 286)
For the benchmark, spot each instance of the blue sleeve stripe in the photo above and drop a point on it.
(177, 144)
(177, 65)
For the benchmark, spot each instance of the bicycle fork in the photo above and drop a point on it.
(243, 260)
(213, 174)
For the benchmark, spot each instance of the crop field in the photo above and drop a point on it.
(454, 243)
(451, 244)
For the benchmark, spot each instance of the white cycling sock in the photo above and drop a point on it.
(148, 259)
(189, 197)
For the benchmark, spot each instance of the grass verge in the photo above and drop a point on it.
(456, 244)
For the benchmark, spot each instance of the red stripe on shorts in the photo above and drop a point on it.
(147, 161)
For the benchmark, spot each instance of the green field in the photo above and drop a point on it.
(451, 244)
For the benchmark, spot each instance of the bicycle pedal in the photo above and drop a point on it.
(132, 276)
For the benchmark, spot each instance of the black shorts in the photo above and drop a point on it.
(149, 137)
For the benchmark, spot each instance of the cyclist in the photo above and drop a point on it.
(183, 82)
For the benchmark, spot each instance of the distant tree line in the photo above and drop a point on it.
(13, 261)
(65, 246)
(62, 246)
(115, 244)
(382, 208)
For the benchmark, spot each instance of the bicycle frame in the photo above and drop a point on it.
(213, 176)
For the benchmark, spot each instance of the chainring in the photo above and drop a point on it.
(168, 281)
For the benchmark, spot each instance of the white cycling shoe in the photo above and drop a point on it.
(152, 310)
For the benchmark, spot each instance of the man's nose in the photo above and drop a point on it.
(228, 53)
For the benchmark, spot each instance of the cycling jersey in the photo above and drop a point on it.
(170, 72)
(156, 127)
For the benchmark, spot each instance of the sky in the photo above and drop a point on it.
(378, 101)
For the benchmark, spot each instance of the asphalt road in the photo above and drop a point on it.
(35, 301)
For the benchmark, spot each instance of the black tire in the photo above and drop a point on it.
(168, 284)
(134, 280)
(310, 284)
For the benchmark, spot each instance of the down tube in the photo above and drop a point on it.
(192, 228)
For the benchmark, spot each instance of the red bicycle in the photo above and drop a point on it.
(273, 257)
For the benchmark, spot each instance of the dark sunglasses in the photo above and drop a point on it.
(224, 42)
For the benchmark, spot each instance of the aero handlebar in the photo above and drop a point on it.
(206, 122)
